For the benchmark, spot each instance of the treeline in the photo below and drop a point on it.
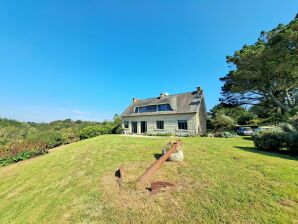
(23, 140)
(263, 78)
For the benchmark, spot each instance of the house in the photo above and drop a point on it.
(179, 114)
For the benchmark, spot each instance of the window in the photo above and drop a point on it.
(147, 109)
(159, 124)
(182, 125)
(126, 124)
(164, 107)
(153, 108)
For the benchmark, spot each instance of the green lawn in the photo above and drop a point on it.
(220, 181)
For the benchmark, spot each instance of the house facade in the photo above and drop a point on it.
(179, 114)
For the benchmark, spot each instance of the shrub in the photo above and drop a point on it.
(269, 140)
(93, 131)
(69, 136)
(225, 134)
(292, 141)
(164, 134)
(118, 130)
(294, 122)
(223, 122)
(50, 138)
(21, 150)
(291, 132)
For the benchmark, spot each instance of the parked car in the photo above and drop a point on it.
(245, 131)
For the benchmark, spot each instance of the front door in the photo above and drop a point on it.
(134, 127)
(143, 126)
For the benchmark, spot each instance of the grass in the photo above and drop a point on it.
(220, 181)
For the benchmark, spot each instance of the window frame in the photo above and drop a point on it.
(182, 125)
(162, 123)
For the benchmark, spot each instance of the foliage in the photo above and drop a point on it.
(291, 132)
(292, 141)
(239, 114)
(285, 136)
(93, 131)
(160, 134)
(50, 138)
(225, 134)
(265, 72)
(21, 150)
(20, 140)
(16, 158)
(269, 140)
(69, 135)
(222, 122)
(117, 123)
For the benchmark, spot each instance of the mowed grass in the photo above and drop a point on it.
(220, 181)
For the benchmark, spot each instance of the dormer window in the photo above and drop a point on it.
(164, 107)
(153, 108)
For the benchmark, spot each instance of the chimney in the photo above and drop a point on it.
(162, 95)
(134, 100)
(199, 90)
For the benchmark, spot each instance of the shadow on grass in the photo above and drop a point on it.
(247, 138)
(118, 173)
(281, 154)
(157, 155)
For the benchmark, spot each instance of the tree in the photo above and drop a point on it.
(265, 71)
(222, 122)
(118, 124)
(239, 114)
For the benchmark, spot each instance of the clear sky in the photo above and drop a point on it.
(87, 59)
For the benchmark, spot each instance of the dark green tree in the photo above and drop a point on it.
(265, 71)
(239, 114)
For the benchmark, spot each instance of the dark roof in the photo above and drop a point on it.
(181, 103)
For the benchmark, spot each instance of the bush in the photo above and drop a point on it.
(118, 130)
(286, 135)
(292, 141)
(222, 122)
(50, 138)
(225, 134)
(269, 140)
(69, 136)
(93, 131)
(21, 150)
(291, 132)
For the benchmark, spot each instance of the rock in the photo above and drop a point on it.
(177, 156)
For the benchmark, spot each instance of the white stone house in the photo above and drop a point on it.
(179, 114)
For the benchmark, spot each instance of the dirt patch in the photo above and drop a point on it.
(288, 203)
(129, 195)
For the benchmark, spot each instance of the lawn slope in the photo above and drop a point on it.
(220, 181)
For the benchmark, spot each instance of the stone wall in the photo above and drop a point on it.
(170, 124)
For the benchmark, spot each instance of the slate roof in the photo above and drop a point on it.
(181, 103)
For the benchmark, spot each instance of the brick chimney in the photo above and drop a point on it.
(135, 99)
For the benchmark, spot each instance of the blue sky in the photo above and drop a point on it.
(88, 59)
